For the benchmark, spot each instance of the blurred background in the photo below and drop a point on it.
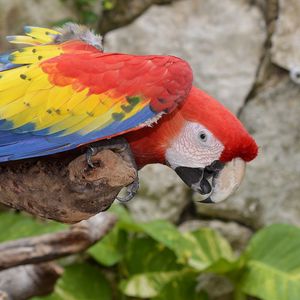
(245, 53)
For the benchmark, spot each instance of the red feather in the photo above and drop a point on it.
(149, 145)
(166, 80)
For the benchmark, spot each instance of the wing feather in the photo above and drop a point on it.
(57, 94)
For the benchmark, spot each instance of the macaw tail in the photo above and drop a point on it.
(41, 40)
(34, 36)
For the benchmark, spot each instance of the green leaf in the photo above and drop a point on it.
(125, 221)
(181, 287)
(212, 253)
(200, 249)
(18, 225)
(147, 285)
(168, 235)
(149, 266)
(110, 250)
(81, 282)
(272, 269)
(108, 4)
(145, 255)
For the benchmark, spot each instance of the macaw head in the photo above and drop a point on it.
(203, 142)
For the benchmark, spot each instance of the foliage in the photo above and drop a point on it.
(86, 11)
(156, 261)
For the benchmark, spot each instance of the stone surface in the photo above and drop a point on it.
(162, 195)
(15, 14)
(222, 40)
(270, 192)
(216, 286)
(286, 38)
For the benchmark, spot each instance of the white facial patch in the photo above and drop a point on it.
(194, 147)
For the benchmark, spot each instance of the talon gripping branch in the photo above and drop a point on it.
(62, 91)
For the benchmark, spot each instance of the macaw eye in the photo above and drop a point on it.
(203, 136)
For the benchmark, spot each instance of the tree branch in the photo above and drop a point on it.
(64, 190)
(48, 247)
(25, 282)
(124, 12)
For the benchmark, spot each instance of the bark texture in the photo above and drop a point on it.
(64, 190)
(25, 282)
(26, 267)
(48, 247)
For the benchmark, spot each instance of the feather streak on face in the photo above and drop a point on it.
(194, 147)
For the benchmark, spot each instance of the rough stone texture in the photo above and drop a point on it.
(14, 14)
(216, 286)
(223, 41)
(271, 189)
(286, 39)
(162, 195)
(237, 235)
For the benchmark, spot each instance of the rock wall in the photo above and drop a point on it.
(17, 13)
(243, 52)
(234, 47)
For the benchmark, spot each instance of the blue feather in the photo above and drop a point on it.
(15, 144)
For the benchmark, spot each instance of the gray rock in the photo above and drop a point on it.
(162, 195)
(14, 14)
(270, 192)
(286, 38)
(216, 286)
(222, 40)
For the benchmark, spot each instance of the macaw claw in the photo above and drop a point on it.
(121, 146)
(131, 191)
(91, 151)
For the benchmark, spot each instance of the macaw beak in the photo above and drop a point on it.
(215, 182)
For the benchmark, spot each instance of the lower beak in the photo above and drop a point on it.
(216, 182)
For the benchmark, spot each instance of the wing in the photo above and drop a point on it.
(56, 95)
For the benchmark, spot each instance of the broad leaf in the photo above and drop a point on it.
(145, 255)
(110, 250)
(212, 253)
(167, 234)
(81, 282)
(125, 221)
(149, 266)
(147, 285)
(200, 249)
(182, 287)
(18, 225)
(273, 264)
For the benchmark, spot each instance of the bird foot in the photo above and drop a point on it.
(131, 191)
(121, 146)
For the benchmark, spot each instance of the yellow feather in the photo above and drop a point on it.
(40, 83)
(50, 112)
(25, 117)
(87, 106)
(36, 54)
(101, 121)
(104, 119)
(12, 78)
(77, 98)
(25, 104)
(43, 35)
(57, 96)
(22, 39)
(10, 95)
(67, 123)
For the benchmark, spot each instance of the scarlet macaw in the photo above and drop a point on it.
(62, 91)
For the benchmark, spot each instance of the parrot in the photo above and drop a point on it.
(61, 91)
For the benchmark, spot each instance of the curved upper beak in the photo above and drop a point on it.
(215, 182)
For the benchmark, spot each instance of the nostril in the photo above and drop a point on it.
(205, 187)
(215, 166)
